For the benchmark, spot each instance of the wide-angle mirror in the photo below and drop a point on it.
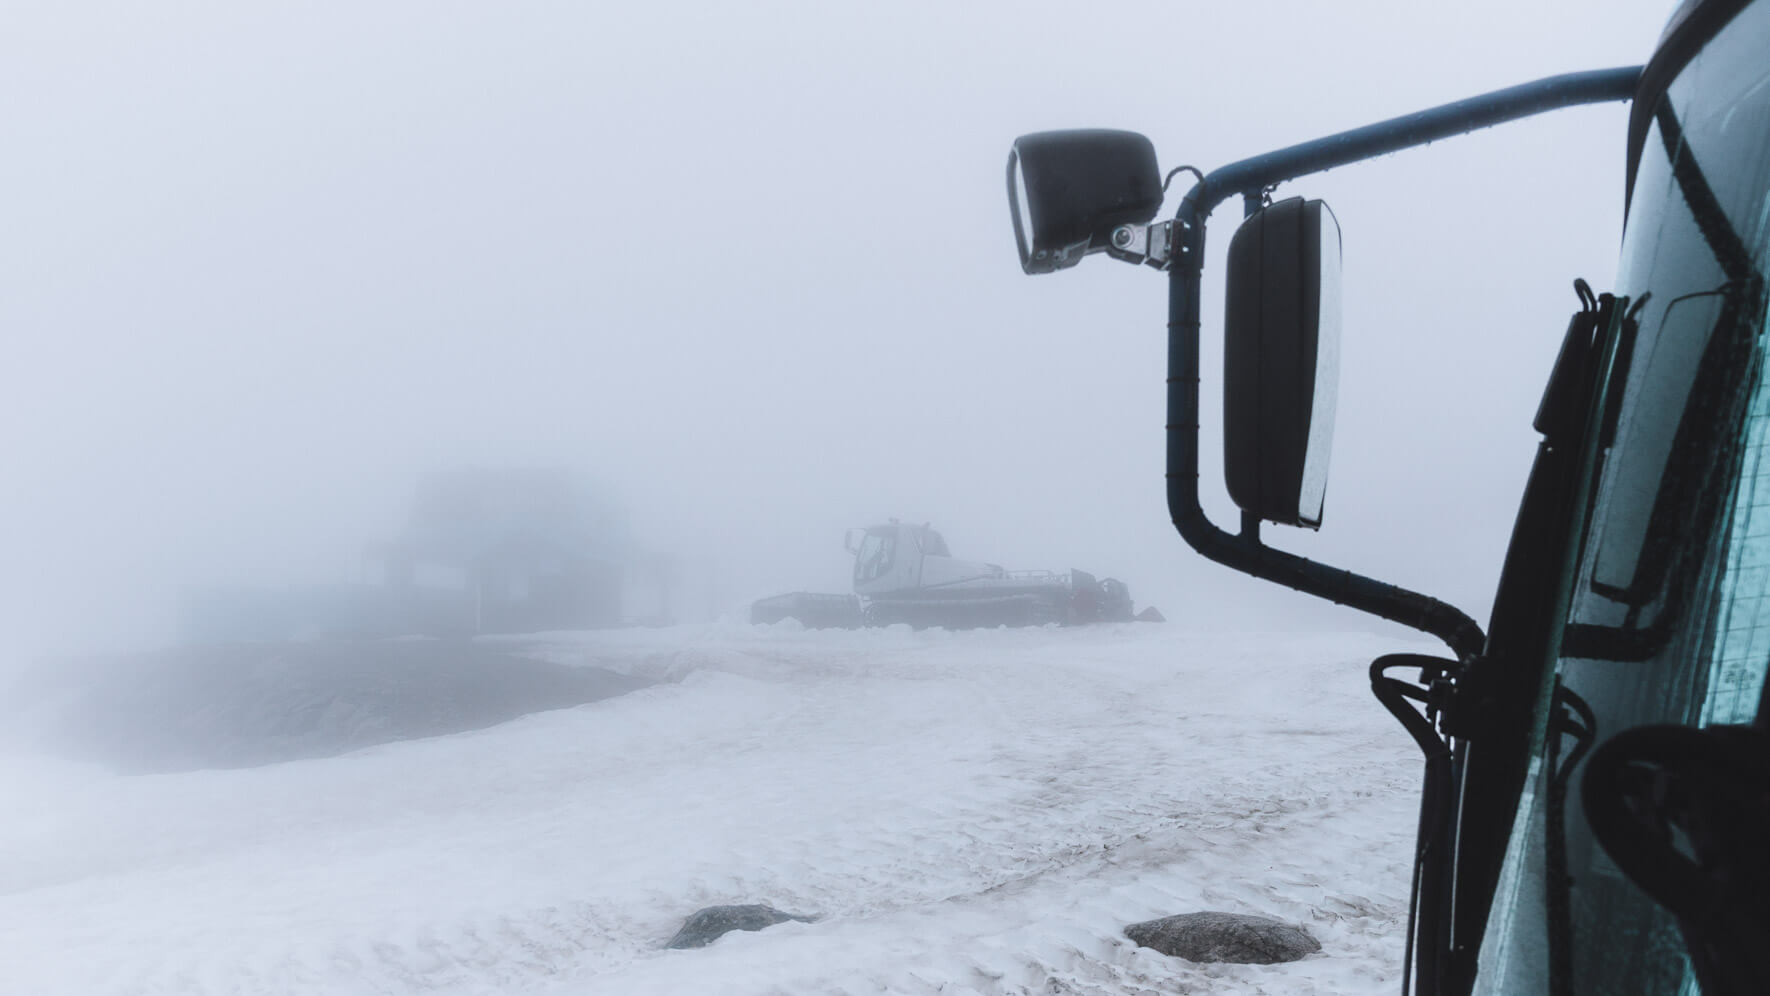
(1281, 355)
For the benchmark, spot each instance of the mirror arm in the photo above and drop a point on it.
(1252, 178)
(1255, 175)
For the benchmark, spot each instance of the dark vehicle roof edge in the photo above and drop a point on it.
(1691, 27)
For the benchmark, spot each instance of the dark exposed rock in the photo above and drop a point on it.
(703, 927)
(1235, 937)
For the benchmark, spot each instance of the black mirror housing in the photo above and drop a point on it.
(1077, 186)
(1281, 360)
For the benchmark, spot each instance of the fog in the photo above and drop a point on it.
(749, 269)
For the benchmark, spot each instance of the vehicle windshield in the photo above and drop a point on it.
(1671, 617)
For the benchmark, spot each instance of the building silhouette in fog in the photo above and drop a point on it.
(481, 551)
(518, 551)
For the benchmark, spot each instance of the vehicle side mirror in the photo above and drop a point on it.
(1068, 190)
(1281, 358)
(851, 540)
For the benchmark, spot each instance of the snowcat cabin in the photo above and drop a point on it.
(877, 564)
(1597, 762)
(895, 557)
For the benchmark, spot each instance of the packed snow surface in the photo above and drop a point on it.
(977, 812)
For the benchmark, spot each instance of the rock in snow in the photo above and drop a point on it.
(705, 926)
(1225, 937)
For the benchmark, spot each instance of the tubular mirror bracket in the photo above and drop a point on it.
(1252, 178)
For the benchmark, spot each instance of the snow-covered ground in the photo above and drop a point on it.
(975, 812)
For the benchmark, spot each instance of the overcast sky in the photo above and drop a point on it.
(748, 265)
